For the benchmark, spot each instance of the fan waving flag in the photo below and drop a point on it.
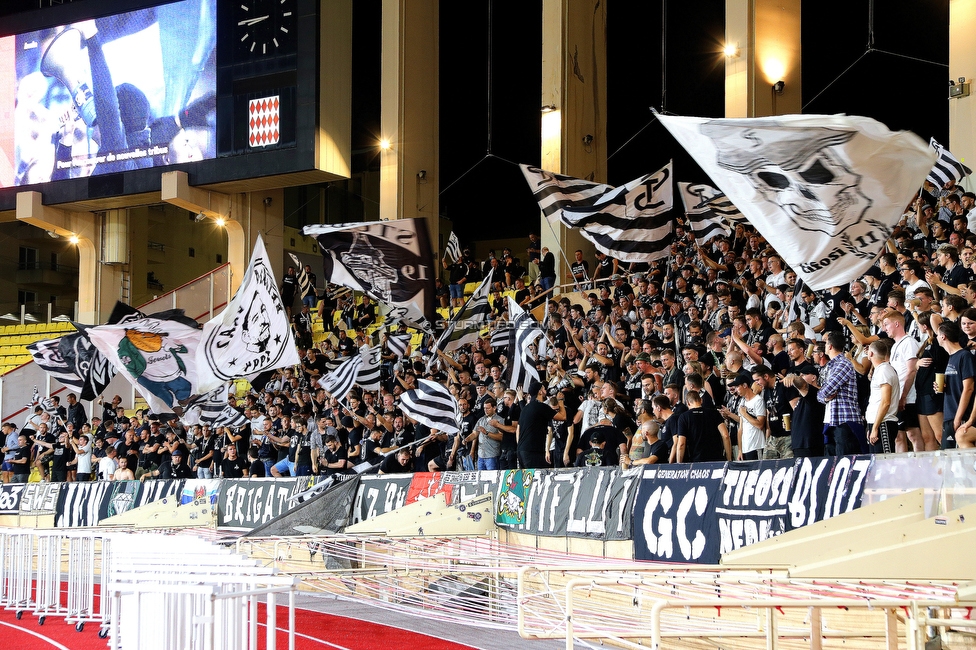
(431, 404)
(206, 408)
(398, 344)
(824, 190)
(341, 380)
(389, 260)
(705, 223)
(524, 331)
(629, 223)
(466, 325)
(305, 287)
(250, 336)
(368, 376)
(453, 247)
(947, 167)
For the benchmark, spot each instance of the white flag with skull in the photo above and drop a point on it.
(824, 190)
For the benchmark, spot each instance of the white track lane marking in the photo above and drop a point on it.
(304, 636)
(39, 636)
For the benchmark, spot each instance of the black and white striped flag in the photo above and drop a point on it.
(368, 376)
(467, 323)
(398, 344)
(524, 331)
(629, 223)
(431, 404)
(499, 338)
(49, 406)
(206, 408)
(341, 380)
(305, 287)
(721, 205)
(795, 310)
(230, 417)
(705, 223)
(453, 247)
(947, 167)
(75, 362)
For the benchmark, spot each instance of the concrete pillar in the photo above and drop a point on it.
(574, 104)
(243, 215)
(82, 229)
(962, 63)
(409, 174)
(764, 39)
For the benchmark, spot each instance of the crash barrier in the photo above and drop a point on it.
(182, 592)
(699, 607)
(125, 581)
(36, 565)
(466, 580)
(676, 513)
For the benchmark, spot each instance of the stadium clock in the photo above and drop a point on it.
(265, 27)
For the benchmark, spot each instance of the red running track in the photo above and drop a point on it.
(313, 631)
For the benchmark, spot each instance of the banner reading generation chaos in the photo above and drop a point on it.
(118, 93)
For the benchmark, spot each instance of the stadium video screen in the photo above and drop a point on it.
(119, 93)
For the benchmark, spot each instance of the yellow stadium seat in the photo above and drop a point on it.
(470, 287)
(31, 328)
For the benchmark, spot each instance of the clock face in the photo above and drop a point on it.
(265, 27)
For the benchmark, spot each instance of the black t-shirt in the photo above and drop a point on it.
(300, 449)
(391, 465)
(613, 438)
(369, 450)
(595, 457)
(329, 457)
(21, 460)
(256, 470)
(659, 449)
(60, 457)
(580, 270)
(807, 423)
(703, 442)
(534, 426)
(233, 468)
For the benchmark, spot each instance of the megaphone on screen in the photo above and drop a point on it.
(65, 61)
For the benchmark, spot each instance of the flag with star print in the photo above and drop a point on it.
(252, 335)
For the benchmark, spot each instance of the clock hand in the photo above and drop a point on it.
(253, 21)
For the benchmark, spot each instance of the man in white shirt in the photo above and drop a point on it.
(903, 357)
(882, 410)
(107, 465)
(751, 418)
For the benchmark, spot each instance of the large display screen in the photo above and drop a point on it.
(120, 93)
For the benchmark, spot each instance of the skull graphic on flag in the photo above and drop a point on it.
(799, 171)
(262, 121)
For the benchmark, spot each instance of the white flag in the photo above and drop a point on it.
(157, 356)
(252, 335)
(824, 190)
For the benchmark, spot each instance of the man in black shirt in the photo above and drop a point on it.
(533, 426)
(172, 468)
(399, 463)
(231, 466)
(701, 434)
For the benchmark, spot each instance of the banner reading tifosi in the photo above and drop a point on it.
(695, 513)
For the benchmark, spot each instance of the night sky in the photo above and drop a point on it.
(898, 91)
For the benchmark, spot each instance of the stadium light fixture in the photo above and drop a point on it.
(385, 144)
(73, 239)
(731, 50)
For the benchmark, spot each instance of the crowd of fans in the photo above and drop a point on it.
(703, 356)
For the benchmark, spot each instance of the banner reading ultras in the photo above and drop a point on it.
(117, 93)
